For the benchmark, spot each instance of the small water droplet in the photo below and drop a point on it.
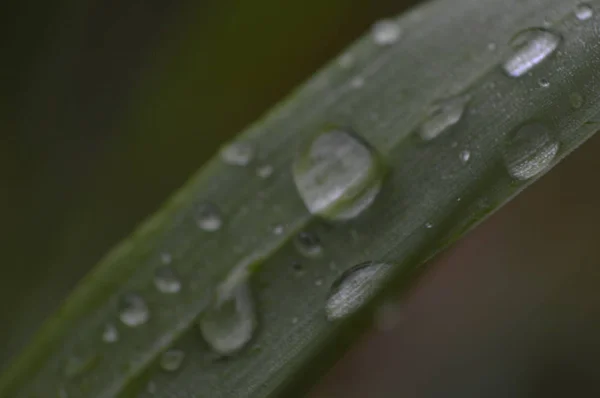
(237, 154)
(492, 46)
(166, 280)
(171, 360)
(229, 322)
(530, 48)
(264, 171)
(208, 217)
(166, 258)
(308, 244)
(464, 156)
(354, 288)
(133, 310)
(338, 175)
(385, 32)
(388, 316)
(529, 150)
(278, 229)
(576, 100)
(428, 225)
(294, 320)
(357, 82)
(442, 115)
(319, 282)
(346, 60)
(110, 334)
(583, 12)
(544, 83)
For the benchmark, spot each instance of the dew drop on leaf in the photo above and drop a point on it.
(166, 280)
(442, 115)
(583, 12)
(229, 322)
(237, 154)
(385, 32)
(354, 288)
(338, 175)
(308, 244)
(171, 360)
(530, 47)
(110, 334)
(464, 156)
(529, 150)
(133, 310)
(208, 217)
(544, 83)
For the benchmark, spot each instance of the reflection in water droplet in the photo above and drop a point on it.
(354, 288)
(530, 48)
(464, 156)
(229, 322)
(583, 12)
(529, 150)
(442, 115)
(544, 83)
(264, 171)
(338, 175)
(133, 310)
(171, 360)
(576, 100)
(308, 244)
(110, 334)
(166, 280)
(237, 154)
(385, 32)
(208, 217)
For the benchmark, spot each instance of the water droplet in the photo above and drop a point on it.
(294, 320)
(166, 280)
(529, 150)
(308, 244)
(387, 316)
(346, 60)
(354, 288)
(319, 282)
(442, 115)
(464, 156)
(208, 217)
(237, 154)
(338, 175)
(530, 48)
(264, 171)
(278, 229)
(544, 83)
(229, 322)
(166, 258)
(357, 82)
(171, 360)
(492, 46)
(133, 310)
(110, 334)
(385, 32)
(584, 12)
(428, 225)
(576, 100)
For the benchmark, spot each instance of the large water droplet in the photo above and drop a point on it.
(229, 322)
(530, 48)
(110, 334)
(442, 115)
(171, 360)
(166, 280)
(529, 150)
(338, 175)
(385, 32)
(584, 12)
(208, 217)
(308, 244)
(354, 288)
(133, 310)
(237, 154)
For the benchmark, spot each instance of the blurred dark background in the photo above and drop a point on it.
(110, 106)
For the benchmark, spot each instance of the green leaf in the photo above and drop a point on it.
(441, 122)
